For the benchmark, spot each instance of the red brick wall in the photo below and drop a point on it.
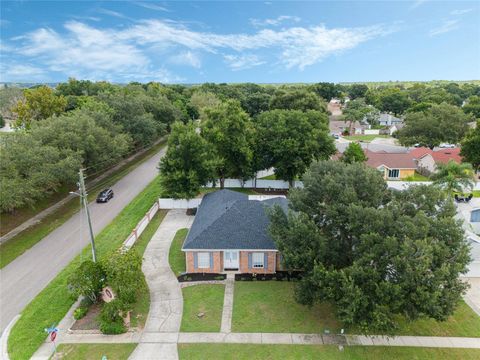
(217, 263)
(244, 263)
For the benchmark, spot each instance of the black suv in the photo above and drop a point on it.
(105, 195)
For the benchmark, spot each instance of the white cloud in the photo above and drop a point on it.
(111, 13)
(447, 26)
(92, 52)
(16, 72)
(242, 62)
(186, 58)
(460, 12)
(274, 22)
(151, 6)
(417, 3)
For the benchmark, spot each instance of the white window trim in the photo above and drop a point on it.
(199, 263)
(393, 177)
(257, 265)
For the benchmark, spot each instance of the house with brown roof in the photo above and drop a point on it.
(394, 166)
(428, 159)
(338, 127)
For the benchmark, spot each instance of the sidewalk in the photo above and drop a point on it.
(166, 301)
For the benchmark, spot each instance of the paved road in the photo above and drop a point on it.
(26, 276)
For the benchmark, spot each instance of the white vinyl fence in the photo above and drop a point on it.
(166, 203)
(142, 224)
(371, 132)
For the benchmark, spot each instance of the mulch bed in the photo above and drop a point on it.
(278, 276)
(200, 277)
(89, 321)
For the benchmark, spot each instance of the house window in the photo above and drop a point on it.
(203, 259)
(393, 173)
(257, 260)
(475, 216)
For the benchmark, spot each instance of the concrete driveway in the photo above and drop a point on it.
(26, 276)
(166, 301)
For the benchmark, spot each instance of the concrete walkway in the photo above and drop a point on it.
(228, 305)
(166, 302)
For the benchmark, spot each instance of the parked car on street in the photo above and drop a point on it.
(105, 195)
(446, 146)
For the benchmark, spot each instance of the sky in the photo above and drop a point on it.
(239, 41)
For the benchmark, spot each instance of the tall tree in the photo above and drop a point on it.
(229, 130)
(188, 163)
(354, 153)
(327, 90)
(471, 147)
(453, 177)
(373, 254)
(356, 91)
(358, 110)
(39, 103)
(472, 106)
(393, 100)
(292, 139)
(297, 99)
(437, 124)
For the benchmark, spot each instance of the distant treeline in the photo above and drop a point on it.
(93, 125)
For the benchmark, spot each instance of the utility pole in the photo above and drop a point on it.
(83, 197)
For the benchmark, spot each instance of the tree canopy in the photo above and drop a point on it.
(437, 124)
(289, 140)
(188, 163)
(354, 153)
(374, 254)
(471, 146)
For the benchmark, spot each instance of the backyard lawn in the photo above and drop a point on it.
(176, 258)
(269, 306)
(206, 301)
(96, 351)
(324, 352)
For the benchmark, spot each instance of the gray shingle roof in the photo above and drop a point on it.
(226, 219)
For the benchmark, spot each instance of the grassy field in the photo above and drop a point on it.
(366, 138)
(270, 307)
(206, 299)
(269, 177)
(53, 302)
(16, 246)
(176, 258)
(96, 351)
(323, 352)
(476, 193)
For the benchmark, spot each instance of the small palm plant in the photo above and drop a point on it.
(453, 177)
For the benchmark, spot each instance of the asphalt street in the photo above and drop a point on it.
(26, 276)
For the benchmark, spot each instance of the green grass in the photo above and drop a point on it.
(16, 246)
(324, 352)
(53, 302)
(269, 177)
(366, 138)
(476, 193)
(207, 299)
(96, 351)
(417, 177)
(240, 190)
(142, 306)
(176, 257)
(464, 322)
(269, 306)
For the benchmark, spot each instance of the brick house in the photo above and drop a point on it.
(230, 233)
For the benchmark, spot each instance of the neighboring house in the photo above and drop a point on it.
(475, 220)
(338, 127)
(230, 232)
(395, 127)
(427, 159)
(388, 120)
(394, 166)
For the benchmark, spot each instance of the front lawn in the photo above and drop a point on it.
(176, 257)
(324, 352)
(202, 308)
(417, 177)
(269, 306)
(96, 351)
(53, 302)
(366, 138)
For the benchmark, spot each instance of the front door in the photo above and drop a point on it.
(230, 260)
